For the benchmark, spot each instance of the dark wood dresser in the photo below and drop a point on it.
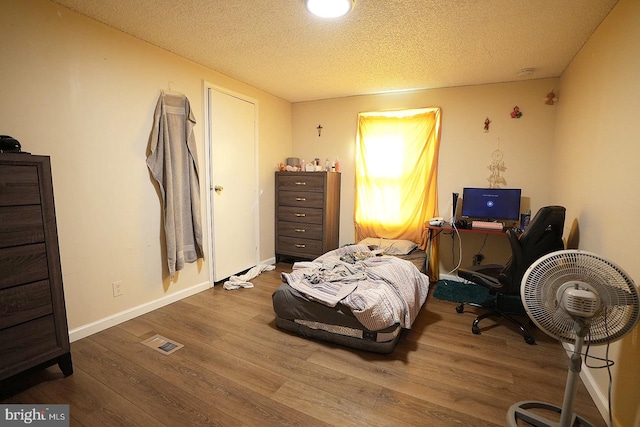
(33, 320)
(307, 213)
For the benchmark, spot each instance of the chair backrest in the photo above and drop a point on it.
(542, 236)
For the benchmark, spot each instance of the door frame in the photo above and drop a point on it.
(206, 86)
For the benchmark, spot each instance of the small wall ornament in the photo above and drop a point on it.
(496, 167)
(486, 125)
(516, 113)
(551, 98)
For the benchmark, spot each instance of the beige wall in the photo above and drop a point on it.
(465, 150)
(596, 172)
(84, 94)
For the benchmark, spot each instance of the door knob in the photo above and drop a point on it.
(218, 189)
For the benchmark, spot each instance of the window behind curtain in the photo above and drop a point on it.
(396, 173)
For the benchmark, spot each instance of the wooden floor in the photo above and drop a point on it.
(237, 368)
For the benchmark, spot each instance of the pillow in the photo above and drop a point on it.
(390, 246)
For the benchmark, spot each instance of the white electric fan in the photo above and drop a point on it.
(575, 296)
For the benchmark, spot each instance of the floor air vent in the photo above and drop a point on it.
(162, 344)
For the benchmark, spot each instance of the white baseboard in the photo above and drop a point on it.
(115, 319)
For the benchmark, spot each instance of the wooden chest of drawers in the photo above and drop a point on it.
(33, 321)
(307, 213)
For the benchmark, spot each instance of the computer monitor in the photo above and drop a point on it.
(493, 204)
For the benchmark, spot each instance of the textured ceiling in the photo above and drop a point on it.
(382, 45)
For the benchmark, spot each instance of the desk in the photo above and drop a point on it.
(435, 232)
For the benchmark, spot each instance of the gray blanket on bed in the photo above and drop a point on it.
(380, 291)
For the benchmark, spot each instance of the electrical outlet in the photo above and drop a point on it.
(117, 288)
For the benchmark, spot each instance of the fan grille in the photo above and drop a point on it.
(617, 315)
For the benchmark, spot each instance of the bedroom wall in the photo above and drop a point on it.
(84, 94)
(465, 150)
(595, 171)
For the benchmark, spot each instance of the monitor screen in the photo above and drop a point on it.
(491, 203)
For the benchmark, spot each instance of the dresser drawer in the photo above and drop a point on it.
(23, 264)
(21, 225)
(306, 199)
(296, 214)
(305, 248)
(19, 185)
(306, 181)
(19, 304)
(300, 230)
(28, 344)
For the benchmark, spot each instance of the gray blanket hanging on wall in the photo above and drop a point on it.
(173, 162)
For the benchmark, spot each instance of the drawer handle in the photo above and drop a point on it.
(298, 245)
(301, 183)
(300, 230)
(300, 214)
(301, 199)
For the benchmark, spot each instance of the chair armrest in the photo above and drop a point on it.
(479, 276)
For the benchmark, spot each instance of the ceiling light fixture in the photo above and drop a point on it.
(329, 8)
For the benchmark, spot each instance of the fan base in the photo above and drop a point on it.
(520, 411)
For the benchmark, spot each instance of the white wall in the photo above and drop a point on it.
(596, 172)
(84, 94)
(465, 150)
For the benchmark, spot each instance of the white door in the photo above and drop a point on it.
(233, 183)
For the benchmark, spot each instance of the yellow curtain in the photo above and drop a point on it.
(396, 175)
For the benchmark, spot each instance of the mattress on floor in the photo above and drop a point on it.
(297, 314)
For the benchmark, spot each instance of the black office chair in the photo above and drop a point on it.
(542, 236)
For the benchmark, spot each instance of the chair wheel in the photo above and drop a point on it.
(475, 330)
(529, 340)
(460, 308)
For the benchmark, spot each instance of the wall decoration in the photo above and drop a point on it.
(319, 130)
(551, 98)
(496, 167)
(486, 125)
(516, 113)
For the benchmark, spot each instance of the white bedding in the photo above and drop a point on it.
(380, 291)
